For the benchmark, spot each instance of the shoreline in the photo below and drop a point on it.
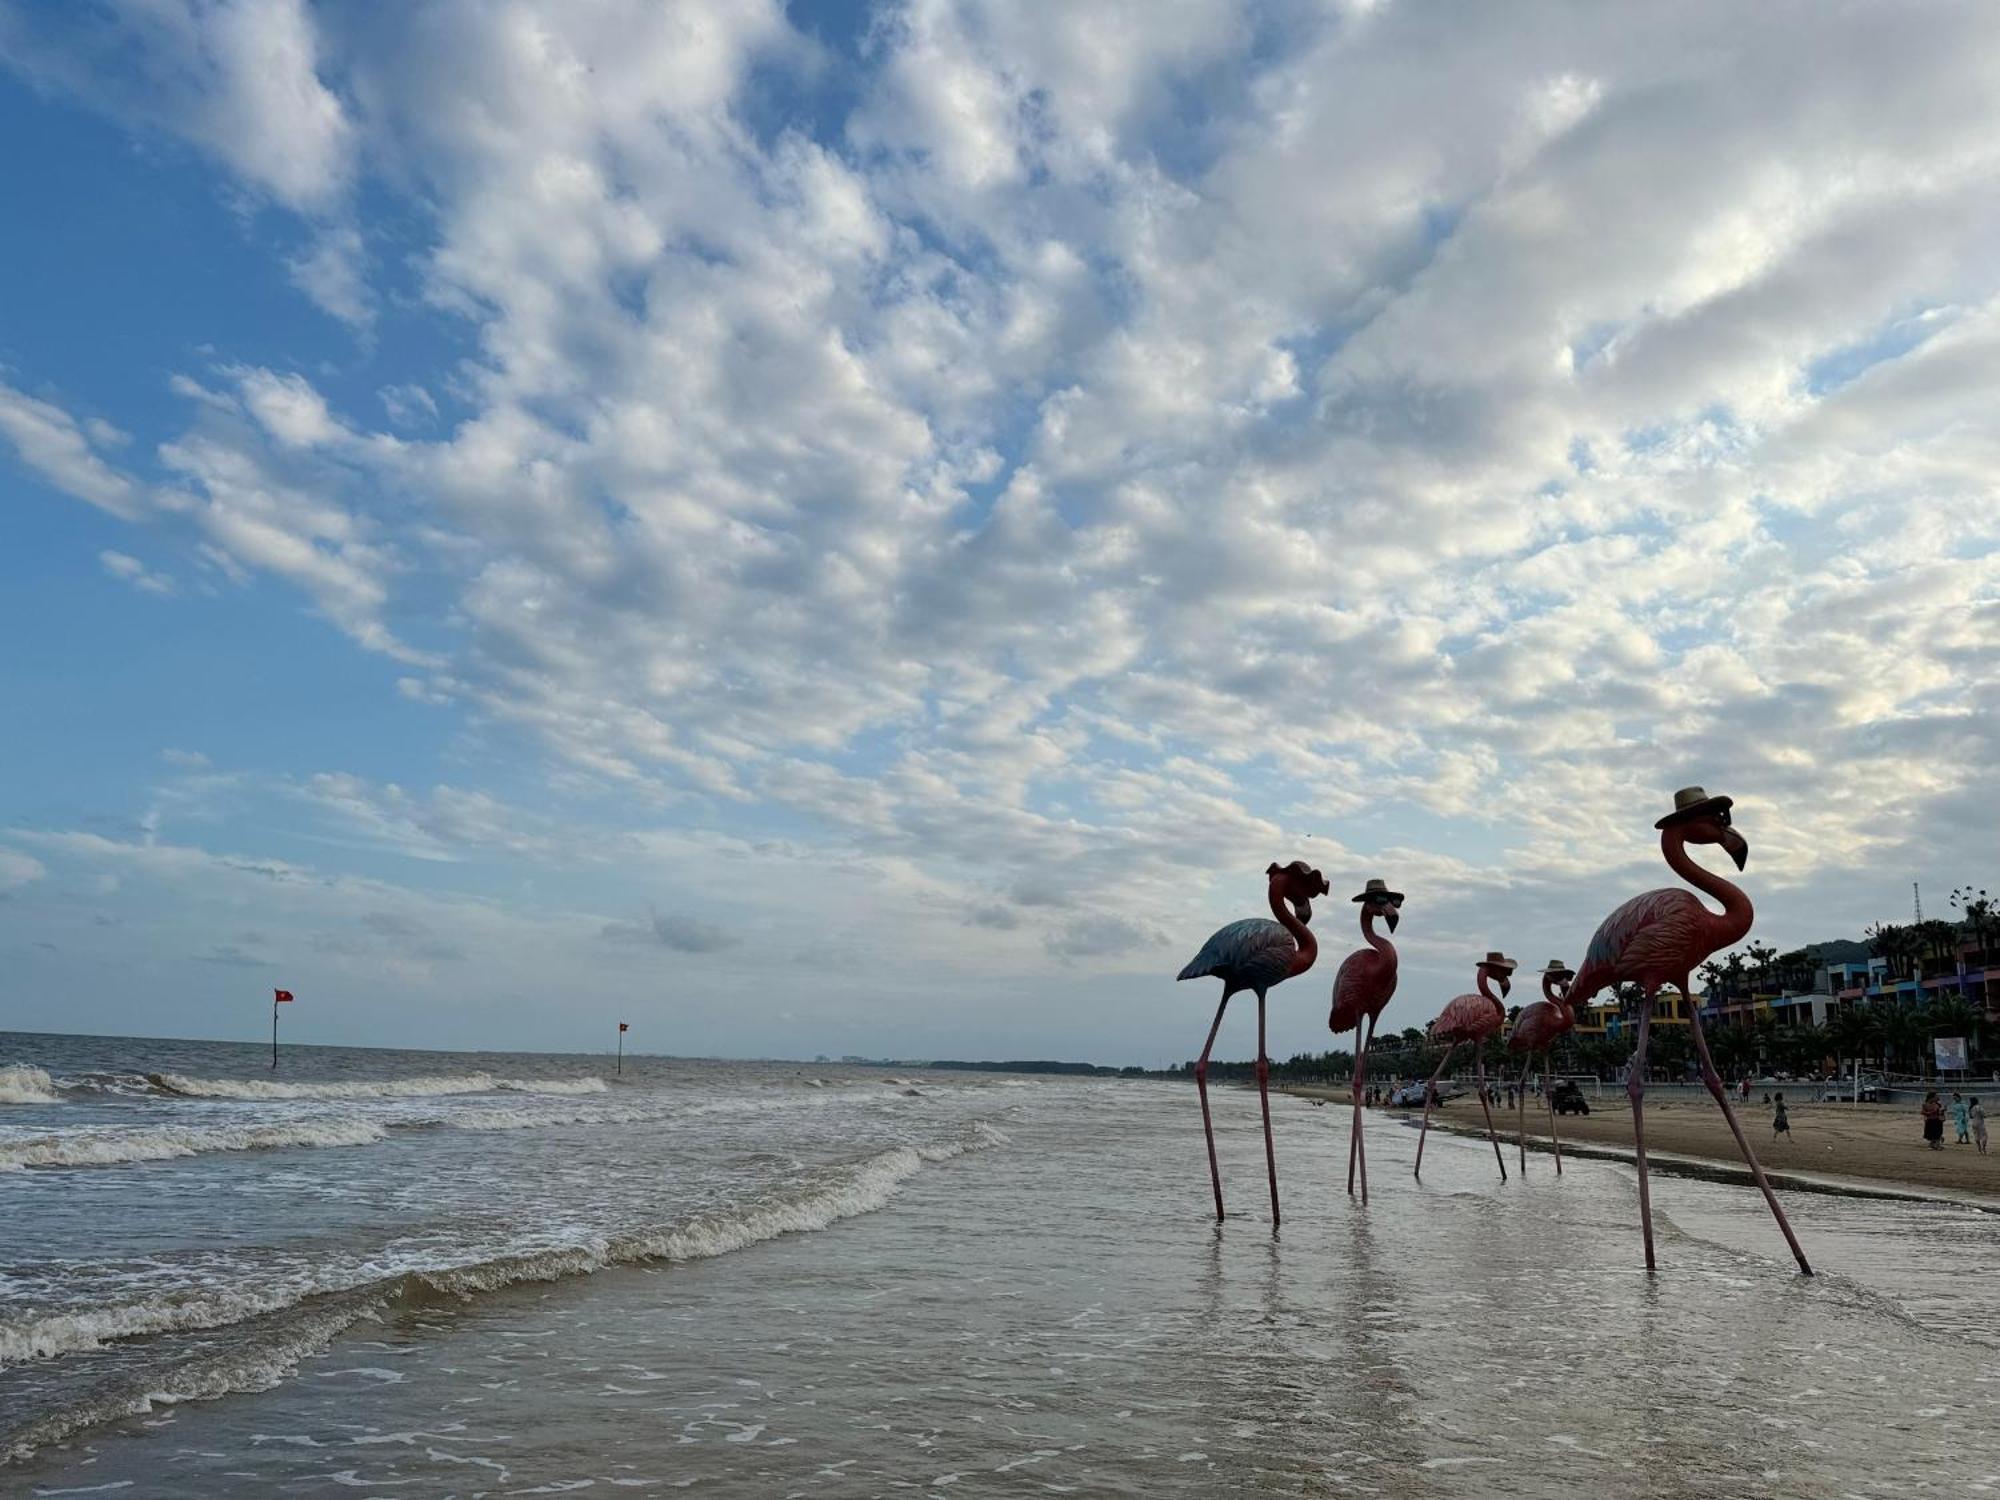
(1690, 1139)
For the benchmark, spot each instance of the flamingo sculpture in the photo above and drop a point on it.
(1361, 991)
(1657, 941)
(1473, 1019)
(1255, 954)
(1537, 1029)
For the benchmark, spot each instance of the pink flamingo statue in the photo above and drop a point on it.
(1361, 991)
(1657, 941)
(1255, 954)
(1471, 1019)
(1537, 1029)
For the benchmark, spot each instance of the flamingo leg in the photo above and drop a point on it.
(1201, 1087)
(1548, 1095)
(1714, 1081)
(1428, 1088)
(1357, 1153)
(1479, 1060)
(1521, 1113)
(1635, 1090)
(1264, 1099)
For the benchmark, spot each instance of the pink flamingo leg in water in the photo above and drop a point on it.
(1521, 1113)
(1357, 1154)
(1201, 1087)
(1635, 1090)
(1479, 1059)
(1264, 1098)
(1548, 1095)
(1429, 1089)
(1714, 1081)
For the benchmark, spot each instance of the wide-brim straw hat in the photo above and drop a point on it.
(1497, 960)
(1380, 888)
(1693, 802)
(1557, 966)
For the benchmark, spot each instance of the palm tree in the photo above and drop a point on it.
(1980, 914)
(1670, 1050)
(1760, 956)
(1904, 1033)
(1734, 1048)
(1849, 1031)
(1888, 941)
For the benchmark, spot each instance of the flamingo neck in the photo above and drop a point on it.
(1559, 998)
(1489, 995)
(1737, 913)
(1308, 945)
(1382, 946)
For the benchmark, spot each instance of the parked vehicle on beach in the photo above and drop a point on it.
(1568, 1099)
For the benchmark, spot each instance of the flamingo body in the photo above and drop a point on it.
(1468, 1018)
(1653, 940)
(1538, 1027)
(1253, 954)
(1362, 988)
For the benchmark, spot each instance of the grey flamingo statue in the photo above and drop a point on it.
(1361, 991)
(1256, 954)
(1539, 1027)
(1472, 1019)
(1657, 941)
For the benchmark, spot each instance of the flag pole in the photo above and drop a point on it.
(274, 1031)
(621, 1049)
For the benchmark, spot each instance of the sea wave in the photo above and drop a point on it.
(21, 1084)
(299, 1319)
(116, 1145)
(369, 1088)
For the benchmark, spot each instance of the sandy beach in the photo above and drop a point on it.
(1878, 1143)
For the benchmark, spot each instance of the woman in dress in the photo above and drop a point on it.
(1934, 1121)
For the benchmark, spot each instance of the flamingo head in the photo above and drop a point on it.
(1499, 968)
(1556, 980)
(1298, 882)
(1377, 900)
(1700, 819)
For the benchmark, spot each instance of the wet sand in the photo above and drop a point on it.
(1875, 1142)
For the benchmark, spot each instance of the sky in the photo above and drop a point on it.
(847, 528)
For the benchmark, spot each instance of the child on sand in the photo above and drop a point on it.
(1780, 1123)
(1978, 1127)
(1933, 1121)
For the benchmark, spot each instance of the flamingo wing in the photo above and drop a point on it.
(1359, 988)
(1467, 1018)
(1253, 954)
(1648, 939)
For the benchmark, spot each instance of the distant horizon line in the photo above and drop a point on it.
(262, 1044)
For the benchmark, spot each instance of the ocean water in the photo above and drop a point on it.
(417, 1274)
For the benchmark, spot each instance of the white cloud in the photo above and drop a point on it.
(52, 444)
(123, 566)
(1129, 442)
(17, 870)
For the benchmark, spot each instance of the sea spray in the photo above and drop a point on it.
(21, 1084)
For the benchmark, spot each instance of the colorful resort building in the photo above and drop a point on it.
(1822, 980)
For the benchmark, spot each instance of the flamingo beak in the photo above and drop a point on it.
(1732, 842)
(1303, 907)
(1506, 985)
(1391, 918)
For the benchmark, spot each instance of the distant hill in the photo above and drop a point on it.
(1840, 951)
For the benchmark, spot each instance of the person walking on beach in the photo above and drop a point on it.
(1978, 1126)
(1933, 1121)
(1961, 1120)
(1781, 1124)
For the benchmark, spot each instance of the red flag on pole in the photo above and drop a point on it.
(281, 997)
(623, 1026)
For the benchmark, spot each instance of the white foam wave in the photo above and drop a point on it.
(21, 1084)
(835, 1194)
(114, 1145)
(371, 1088)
